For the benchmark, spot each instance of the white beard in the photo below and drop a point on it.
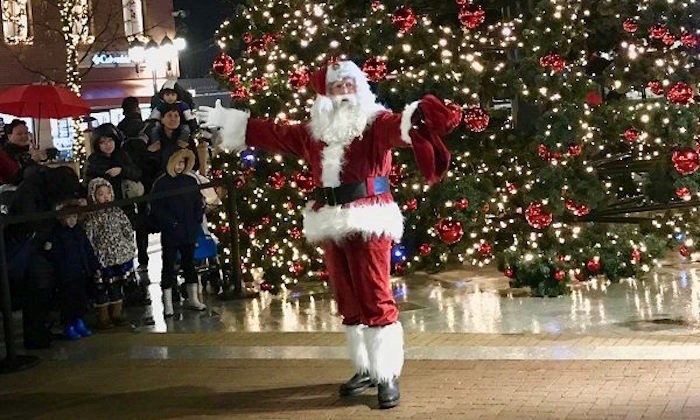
(337, 122)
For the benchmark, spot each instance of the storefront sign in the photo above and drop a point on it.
(108, 59)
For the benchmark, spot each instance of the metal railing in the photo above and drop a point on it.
(232, 282)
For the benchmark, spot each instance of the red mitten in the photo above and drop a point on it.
(432, 121)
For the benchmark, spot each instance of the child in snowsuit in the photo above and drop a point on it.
(179, 218)
(112, 237)
(75, 263)
(168, 96)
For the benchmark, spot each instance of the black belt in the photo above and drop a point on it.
(347, 193)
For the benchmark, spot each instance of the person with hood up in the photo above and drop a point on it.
(112, 238)
(179, 218)
(109, 161)
(76, 264)
(348, 145)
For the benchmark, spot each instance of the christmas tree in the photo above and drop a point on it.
(563, 134)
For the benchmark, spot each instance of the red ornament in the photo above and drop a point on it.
(656, 87)
(399, 268)
(271, 250)
(683, 193)
(395, 175)
(582, 210)
(404, 19)
(569, 204)
(217, 173)
(251, 231)
(485, 249)
(323, 275)
(561, 257)
(685, 161)
(630, 25)
(411, 204)
(376, 6)
(574, 149)
(304, 182)
(258, 84)
(277, 180)
(690, 40)
(556, 156)
(471, 15)
(240, 93)
(668, 39)
(593, 265)
(680, 93)
(553, 61)
(247, 37)
(537, 216)
(239, 182)
(636, 255)
(375, 68)
(631, 135)
(559, 275)
(543, 151)
(297, 268)
(225, 228)
(425, 249)
(256, 45)
(658, 31)
(223, 64)
(509, 272)
(265, 220)
(684, 250)
(450, 231)
(265, 286)
(295, 232)
(476, 119)
(594, 99)
(234, 79)
(270, 39)
(512, 187)
(462, 204)
(298, 78)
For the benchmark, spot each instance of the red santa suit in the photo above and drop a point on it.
(353, 215)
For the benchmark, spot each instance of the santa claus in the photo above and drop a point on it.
(353, 217)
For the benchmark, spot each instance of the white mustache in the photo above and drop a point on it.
(348, 97)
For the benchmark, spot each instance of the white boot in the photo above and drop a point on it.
(385, 348)
(168, 310)
(193, 298)
(357, 349)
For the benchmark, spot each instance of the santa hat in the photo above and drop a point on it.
(335, 72)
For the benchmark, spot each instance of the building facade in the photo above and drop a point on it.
(34, 49)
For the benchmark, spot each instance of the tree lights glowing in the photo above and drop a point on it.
(573, 115)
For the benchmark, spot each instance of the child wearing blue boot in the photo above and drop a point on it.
(74, 260)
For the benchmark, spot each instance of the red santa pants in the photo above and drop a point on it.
(359, 272)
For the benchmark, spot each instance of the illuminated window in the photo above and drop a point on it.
(17, 21)
(133, 17)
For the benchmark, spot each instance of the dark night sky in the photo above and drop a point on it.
(202, 20)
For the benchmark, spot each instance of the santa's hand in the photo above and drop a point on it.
(212, 117)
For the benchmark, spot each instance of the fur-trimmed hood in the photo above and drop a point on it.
(96, 183)
(176, 157)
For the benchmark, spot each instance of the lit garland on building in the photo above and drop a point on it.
(541, 192)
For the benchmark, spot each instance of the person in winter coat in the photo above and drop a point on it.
(32, 283)
(169, 137)
(132, 124)
(168, 95)
(76, 264)
(19, 148)
(109, 161)
(8, 168)
(112, 238)
(179, 218)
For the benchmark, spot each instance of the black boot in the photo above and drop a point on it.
(356, 385)
(389, 395)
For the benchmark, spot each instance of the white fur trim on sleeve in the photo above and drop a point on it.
(337, 222)
(406, 124)
(233, 129)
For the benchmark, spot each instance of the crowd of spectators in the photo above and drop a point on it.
(83, 262)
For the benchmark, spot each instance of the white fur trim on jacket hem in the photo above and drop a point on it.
(406, 124)
(385, 346)
(337, 222)
(357, 348)
(233, 129)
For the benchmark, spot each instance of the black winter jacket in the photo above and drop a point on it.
(179, 217)
(71, 254)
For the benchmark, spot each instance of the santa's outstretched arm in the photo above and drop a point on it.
(422, 125)
(238, 130)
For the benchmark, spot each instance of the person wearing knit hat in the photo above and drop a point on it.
(348, 144)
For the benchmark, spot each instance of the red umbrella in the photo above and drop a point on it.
(42, 101)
